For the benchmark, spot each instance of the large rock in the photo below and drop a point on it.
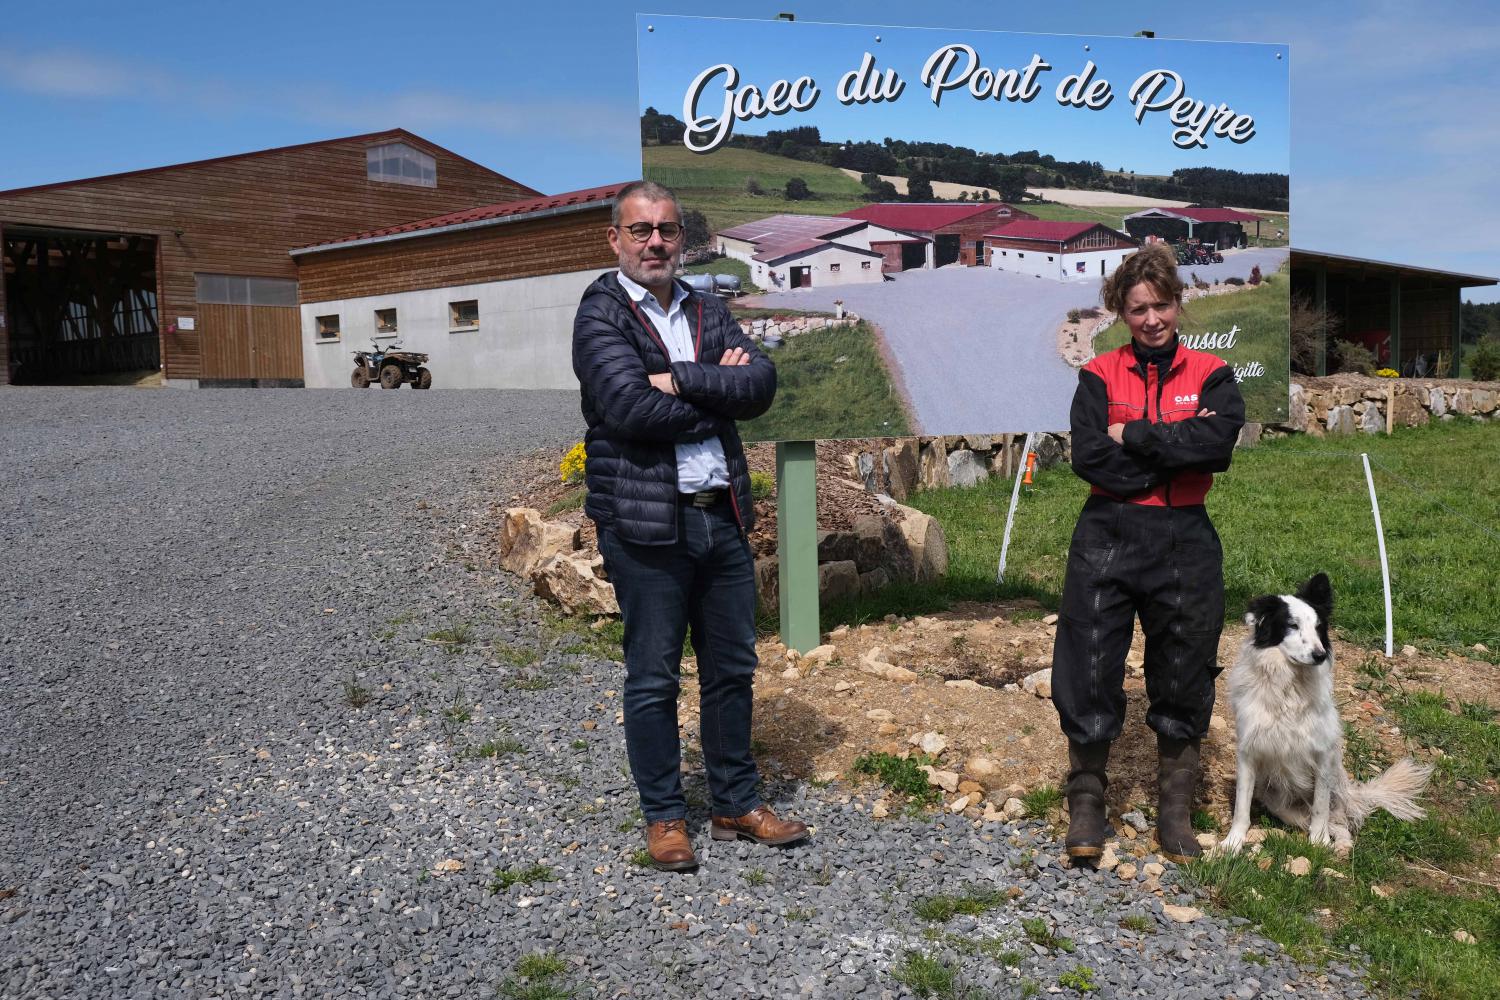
(1409, 411)
(837, 546)
(768, 582)
(1341, 420)
(1437, 405)
(1484, 400)
(932, 466)
(1050, 450)
(902, 464)
(874, 581)
(1372, 421)
(1296, 407)
(527, 541)
(881, 545)
(575, 583)
(965, 468)
(925, 541)
(837, 580)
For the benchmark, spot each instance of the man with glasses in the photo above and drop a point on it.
(665, 372)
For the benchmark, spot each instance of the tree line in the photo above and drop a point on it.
(1009, 174)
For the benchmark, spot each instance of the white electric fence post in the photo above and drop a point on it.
(1015, 495)
(1385, 566)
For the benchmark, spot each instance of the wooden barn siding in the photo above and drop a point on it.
(241, 216)
(4, 318)
(1051, 246)
(973, 228)
(555, 245)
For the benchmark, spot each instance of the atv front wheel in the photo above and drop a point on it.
(360, 379)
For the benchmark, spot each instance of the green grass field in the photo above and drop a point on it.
(1261, 314)
(830, 383)
(1286, 510)
(715, 185)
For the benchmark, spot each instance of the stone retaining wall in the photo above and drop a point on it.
(1336, 404)
(791, 326)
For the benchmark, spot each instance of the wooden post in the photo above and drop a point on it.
(797, 542)
(1320, 301)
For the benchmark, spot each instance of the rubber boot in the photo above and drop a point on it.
(1086, 784)
(1177, 778)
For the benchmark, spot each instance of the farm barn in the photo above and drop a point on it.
(1408, 316)
(1061, 251)
(489, 293)
(799, 251)
(955, 230)
(1219, 227)
(186, 267)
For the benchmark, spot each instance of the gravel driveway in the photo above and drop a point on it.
(196, 589)
(977, 347)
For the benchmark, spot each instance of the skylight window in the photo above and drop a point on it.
(398, 163)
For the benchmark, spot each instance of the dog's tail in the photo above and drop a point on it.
(1395, 790)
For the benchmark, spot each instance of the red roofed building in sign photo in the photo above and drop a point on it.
(806, 251)
(956, 229)
(1062, 251)
(1221, 228)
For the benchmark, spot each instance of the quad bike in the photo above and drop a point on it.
(390, 366)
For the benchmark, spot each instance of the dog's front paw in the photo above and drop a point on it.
(1320, 835)
(1232, 843)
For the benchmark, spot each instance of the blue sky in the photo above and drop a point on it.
(1395, 109)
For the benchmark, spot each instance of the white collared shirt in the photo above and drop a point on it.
(701, 464)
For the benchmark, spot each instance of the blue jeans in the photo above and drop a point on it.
(704, 582)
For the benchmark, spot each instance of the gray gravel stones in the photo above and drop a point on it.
(200, 587)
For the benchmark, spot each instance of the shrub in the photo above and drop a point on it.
(1236, 280)
(1255, 275)
(762, 485)
(1074, 315)
(796, 190)
(752, 187)
(1484, 363)
(571, 467)
(1352, 357)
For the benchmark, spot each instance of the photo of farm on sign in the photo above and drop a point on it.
(916, 223)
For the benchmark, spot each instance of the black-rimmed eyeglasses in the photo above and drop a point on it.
(641, 231)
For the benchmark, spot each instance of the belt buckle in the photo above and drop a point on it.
(705, 498)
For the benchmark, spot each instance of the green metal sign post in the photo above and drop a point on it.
(797, 542)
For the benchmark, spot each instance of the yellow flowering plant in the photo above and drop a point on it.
(571, 467)
(1388, 373)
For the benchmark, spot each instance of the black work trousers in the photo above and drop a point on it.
(1165, 564)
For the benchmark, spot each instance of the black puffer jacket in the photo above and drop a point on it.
(633, 427)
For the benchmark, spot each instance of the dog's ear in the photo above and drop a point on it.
(1318, 593)
(1269, 616)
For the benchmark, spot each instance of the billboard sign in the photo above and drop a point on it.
(916, 222)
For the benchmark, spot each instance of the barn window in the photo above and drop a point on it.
(1050, 258)
(833, 267)
(463, 315)
(1021, 255)
(245, 290)
(864, 265)
(398, 163)
(385, 322)
(328, 327)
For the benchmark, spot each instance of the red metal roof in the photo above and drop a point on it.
(922, 217)
(526, 206)
(395, 133)
(1042, 229)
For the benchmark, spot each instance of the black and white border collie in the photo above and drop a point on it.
(1290, 753)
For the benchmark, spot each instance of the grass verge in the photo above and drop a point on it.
(831, 383)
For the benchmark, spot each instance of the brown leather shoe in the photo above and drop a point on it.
(667, 843)
(760, 825)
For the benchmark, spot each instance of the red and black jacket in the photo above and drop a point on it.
(1170, 453)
